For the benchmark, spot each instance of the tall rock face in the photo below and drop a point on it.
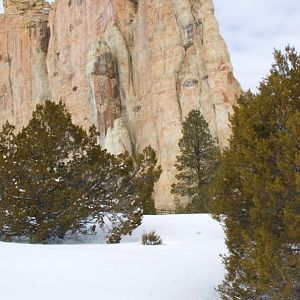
(135, 68)
(24, 37)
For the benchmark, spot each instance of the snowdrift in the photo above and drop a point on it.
(186, 267)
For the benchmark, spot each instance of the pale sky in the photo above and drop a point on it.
(251, 29)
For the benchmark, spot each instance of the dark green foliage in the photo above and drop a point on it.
(196, 164)
(123, 198)
(151, 238)
(56, 180)
(180, 208)
(7, 151)
(148, 173)
(257, 189)
(44, 148)
(37, 192)
(139, 177)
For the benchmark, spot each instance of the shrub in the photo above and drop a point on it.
(151, 238)
(57, 180)
(257, 189)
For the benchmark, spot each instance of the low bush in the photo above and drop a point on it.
(56, 180)
(151, 238)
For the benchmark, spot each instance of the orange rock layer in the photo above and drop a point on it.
(135, 68)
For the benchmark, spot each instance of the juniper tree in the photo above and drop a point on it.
(7, 150)
(44, 148)
(197, 162)
(136, 187)
(257, 189)
(108, 194)
(56, 179)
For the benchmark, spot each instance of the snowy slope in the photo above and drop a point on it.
(186, 267)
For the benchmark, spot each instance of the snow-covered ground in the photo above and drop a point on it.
(186, 267)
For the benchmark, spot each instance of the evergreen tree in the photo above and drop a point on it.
(147, 173)
(44, 148)
(108, 193)
(7, 150)
(125, 199)
(197, 162)
(136, 186)
(257, 189)
(56, 179)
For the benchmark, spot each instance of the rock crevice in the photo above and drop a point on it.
(133, 68)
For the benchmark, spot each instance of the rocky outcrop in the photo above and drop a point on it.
(20, 6)
(24, 38)
(133, 68)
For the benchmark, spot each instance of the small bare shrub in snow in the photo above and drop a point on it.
(151, 238)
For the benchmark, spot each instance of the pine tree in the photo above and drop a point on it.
(147, 174)
(197, 162)
(256, 191)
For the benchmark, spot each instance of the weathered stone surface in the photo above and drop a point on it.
(23, 51)
(133, 68)
(18, 6)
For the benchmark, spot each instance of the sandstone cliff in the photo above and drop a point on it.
(135, 68)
